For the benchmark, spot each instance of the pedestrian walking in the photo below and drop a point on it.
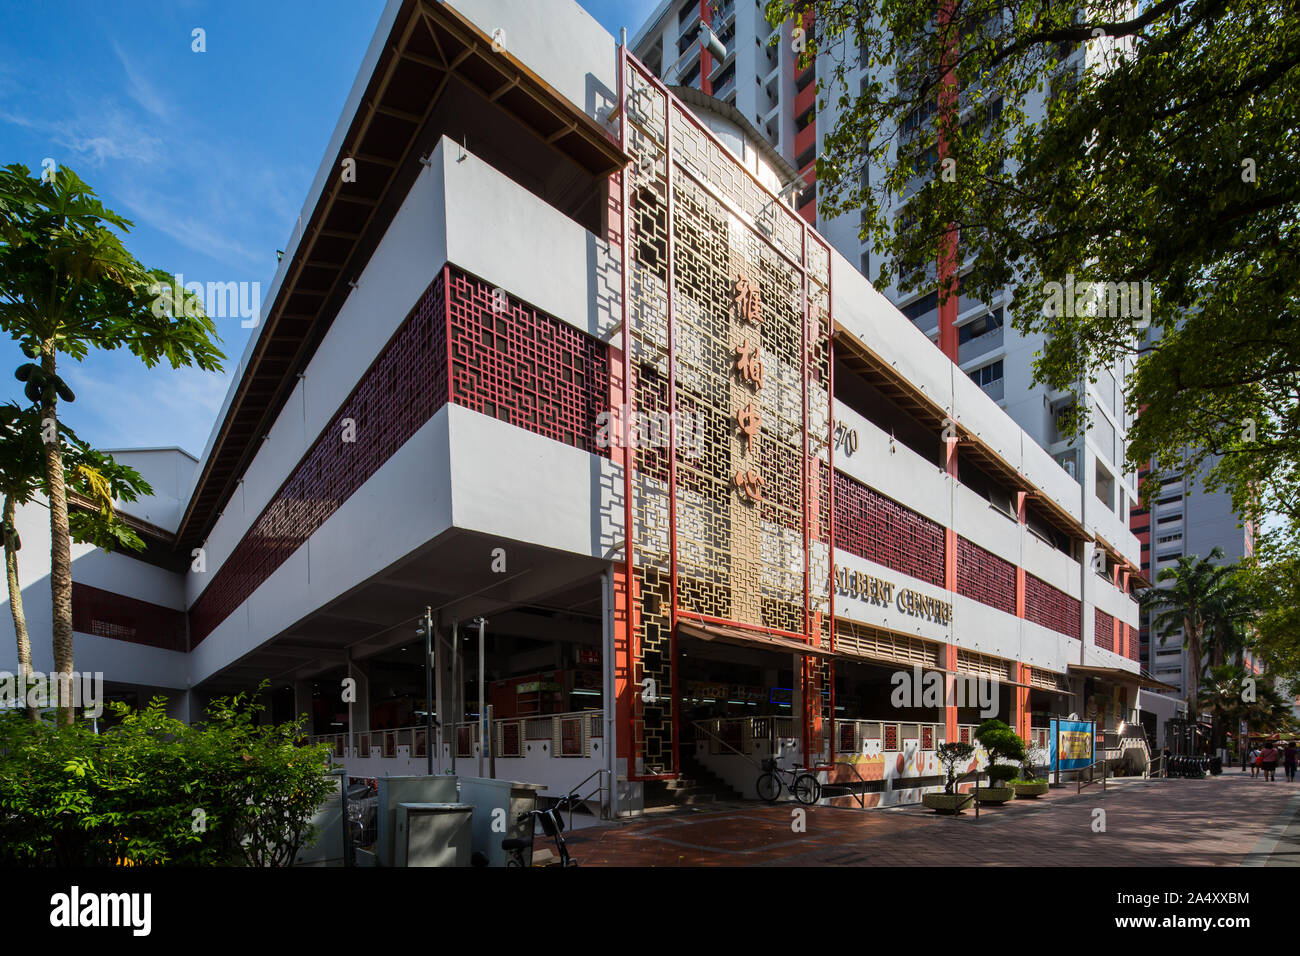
(1254, 762)
(1289, 760)
(1268, 760)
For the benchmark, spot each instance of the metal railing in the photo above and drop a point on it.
(568, 735)
(1090, 770)
(602, 789)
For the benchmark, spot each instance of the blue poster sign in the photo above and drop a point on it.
(1073, 744)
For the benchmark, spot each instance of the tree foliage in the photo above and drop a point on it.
(1166, 154)
(154, 791)
(68, 285)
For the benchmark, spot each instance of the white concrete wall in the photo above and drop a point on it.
(405, 504)
(406, 261)
(559, 41)
(170, 472)
(118, 661)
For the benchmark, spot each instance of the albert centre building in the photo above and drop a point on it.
(563, 365)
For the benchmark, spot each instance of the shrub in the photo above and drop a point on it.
(1000, 741)
(1000, 773)
(949, 756)
(155, 791)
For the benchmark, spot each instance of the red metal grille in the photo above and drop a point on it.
(107, 614)
(1131, 643)
(525, 367)
(508, 360)
(880, 529)
(891, 737)
(400, 391)
(927, 738)
(985, 577)
(1103, 630)
(1051, 607)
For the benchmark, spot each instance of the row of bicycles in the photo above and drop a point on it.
(1192, 767)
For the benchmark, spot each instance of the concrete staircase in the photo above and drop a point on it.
(696, 785)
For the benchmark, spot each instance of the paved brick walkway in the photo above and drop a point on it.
(1221, 821)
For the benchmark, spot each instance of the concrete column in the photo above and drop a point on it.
(302, 705)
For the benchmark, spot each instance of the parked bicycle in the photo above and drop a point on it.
(798, 780)
(552, 825)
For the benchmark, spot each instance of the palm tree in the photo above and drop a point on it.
(1201, 596)
(68, 285)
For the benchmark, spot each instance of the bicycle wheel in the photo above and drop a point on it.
(769, 787)
(806, 789)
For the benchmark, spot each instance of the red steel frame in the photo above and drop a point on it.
(624, 60)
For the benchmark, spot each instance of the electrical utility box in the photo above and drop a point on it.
(500, 811)
(414, 789)
(433, 834)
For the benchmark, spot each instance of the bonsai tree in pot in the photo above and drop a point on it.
(950, 801)
(1028, 786)
(1000, 742)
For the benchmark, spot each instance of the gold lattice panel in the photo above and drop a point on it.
(729, 320)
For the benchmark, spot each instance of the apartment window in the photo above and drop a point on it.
(986, 374)
(927, 303)
(981, 326)
(1168, 538)
(1169, 556)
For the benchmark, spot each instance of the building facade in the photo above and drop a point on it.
(780, 98)
(679, 489)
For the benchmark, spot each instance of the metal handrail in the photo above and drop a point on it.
(600, 789)
(1162, 760)
(1091, 780)
(699, 725)
(860, 797)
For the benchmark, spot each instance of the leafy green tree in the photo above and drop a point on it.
(68, 285)
(1199, 596)
(1167, 154)
(154, 791)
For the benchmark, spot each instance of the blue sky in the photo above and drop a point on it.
(209, 154)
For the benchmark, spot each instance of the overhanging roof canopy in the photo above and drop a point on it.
(744, 637)
(1119, 675)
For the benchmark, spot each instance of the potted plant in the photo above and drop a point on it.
(999, 742)
(1027, 786)
(950, 801)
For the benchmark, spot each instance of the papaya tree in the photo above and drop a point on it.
(68, 286)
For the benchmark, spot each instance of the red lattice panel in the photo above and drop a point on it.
(1103, 630)
(107, 614)
(524, 367)
(1051, 607)
(880, 529)
(984, 577)
(516, 364)
(1131, 643)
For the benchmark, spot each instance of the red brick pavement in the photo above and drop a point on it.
(1215, 822)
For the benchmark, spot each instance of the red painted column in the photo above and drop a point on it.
(949, 259)
(1021, 717)
(950, 583)
(706, 58)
